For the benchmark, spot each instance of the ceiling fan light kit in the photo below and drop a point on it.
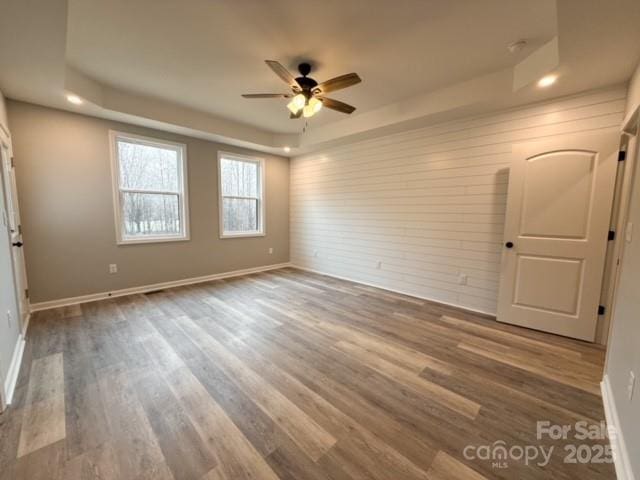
(312, 107)
(297, 103)
(307, 97)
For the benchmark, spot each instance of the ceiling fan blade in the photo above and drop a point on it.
(293, 116)
(338, 83)
(266, 95)
(337, 105)
(283, 73)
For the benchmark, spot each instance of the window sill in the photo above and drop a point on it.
(136, 241)
(242, 235)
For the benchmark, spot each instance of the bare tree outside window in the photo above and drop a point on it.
(241, 194)
(150, 189)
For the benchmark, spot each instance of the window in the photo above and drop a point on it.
(149, 187)
(241, 195)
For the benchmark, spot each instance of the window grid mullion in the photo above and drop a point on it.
(154, 192)
(240, 197)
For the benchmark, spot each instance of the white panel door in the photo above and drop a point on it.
(558, 212)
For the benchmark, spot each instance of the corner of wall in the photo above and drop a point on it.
(633, 94)
(4, 121)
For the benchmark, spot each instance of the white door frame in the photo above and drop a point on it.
(19, 270)
(3, 143)
(631, 128)
(618, 222)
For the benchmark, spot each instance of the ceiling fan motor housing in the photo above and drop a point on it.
(304, 69)
(306, 83)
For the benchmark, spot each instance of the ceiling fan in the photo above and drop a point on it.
(307, 97)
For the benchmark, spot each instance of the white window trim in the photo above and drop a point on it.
(262, 200)
(115, 183)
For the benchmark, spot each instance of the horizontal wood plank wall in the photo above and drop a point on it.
(413, 211)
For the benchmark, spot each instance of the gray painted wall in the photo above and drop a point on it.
(624, 345)
(64, 183)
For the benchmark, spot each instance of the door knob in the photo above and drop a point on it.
(17, 244)
(509, 244)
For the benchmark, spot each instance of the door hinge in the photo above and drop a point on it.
(26, 293)
(601, 309)
(19, 229)
(622, 155)
(13, 163)
(612, 235)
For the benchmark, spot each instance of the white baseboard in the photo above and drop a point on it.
(382, 287)
(14, 370)
(63, 302)
(620, 452)
(25, 324)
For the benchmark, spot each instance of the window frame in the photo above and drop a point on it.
(183, 197)
(261, 232)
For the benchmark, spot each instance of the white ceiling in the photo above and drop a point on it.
(204, 54)
(182, 65)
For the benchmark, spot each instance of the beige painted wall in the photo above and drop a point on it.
(624, 346)
(64, 183)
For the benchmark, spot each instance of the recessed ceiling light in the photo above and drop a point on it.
(547, 81)
(76, 100)
(287, 149)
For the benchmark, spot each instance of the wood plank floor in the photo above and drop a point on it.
(289, 375)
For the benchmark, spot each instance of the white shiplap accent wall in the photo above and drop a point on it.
(412, 211)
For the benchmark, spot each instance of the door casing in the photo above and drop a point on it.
(13, 211)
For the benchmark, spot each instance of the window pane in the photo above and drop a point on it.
(240, 215)
(145, 167)
(239, 179)
(150, 214)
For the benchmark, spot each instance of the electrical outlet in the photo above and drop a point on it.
(113, 268)
(631, 385)
(270, 250)
(463, 279)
